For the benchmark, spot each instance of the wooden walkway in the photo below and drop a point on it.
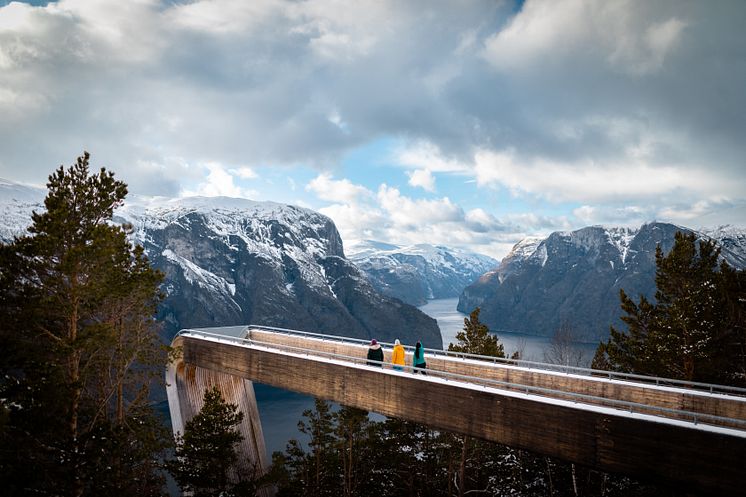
(689, 434)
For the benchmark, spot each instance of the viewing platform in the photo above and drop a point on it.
(684, 433)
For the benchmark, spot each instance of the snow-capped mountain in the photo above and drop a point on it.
(575, 277)
(420, 272)
(232, 261)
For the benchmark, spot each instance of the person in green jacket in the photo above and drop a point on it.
(418, 359)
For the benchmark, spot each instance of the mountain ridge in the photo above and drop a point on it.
(235, 261)
(574, 277)
(420, 272)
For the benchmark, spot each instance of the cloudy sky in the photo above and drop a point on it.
(467, 123)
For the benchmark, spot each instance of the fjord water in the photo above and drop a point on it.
(280, 410)
(533, 347)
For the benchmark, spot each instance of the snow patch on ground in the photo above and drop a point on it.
(541, 255)
(621, 238)
(196, 275)
(526, 247)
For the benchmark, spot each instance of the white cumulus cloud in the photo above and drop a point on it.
(422, 178)
(218, 183)
(325, 187)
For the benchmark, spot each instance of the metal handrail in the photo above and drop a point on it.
(632, 407)
(657, 380)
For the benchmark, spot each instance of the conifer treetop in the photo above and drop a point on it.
(475, 338)
(78, 201)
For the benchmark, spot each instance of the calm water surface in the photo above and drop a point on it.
(280, 411)
(533, 347)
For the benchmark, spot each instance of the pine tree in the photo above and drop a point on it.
(76, 315)
(206, 452)
(630, 351)
(732, 285)
(694, 330)
(476, 338)
(351, 424)
(324, 466)
(317, 472)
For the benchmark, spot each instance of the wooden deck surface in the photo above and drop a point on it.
(692, 456)
(678, 399)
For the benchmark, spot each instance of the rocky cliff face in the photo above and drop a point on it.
(575, 277)
(234, 261)
(418, 273)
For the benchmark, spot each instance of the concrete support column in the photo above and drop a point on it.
(186, 384)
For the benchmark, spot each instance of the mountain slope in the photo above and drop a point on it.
(420, 272)
(16, 204)
(575, 277)
(235, 261)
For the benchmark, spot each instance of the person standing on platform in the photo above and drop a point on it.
(397, 356)
(375, 354)
(418, 359)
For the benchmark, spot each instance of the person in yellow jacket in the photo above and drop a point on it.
(397, 356)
